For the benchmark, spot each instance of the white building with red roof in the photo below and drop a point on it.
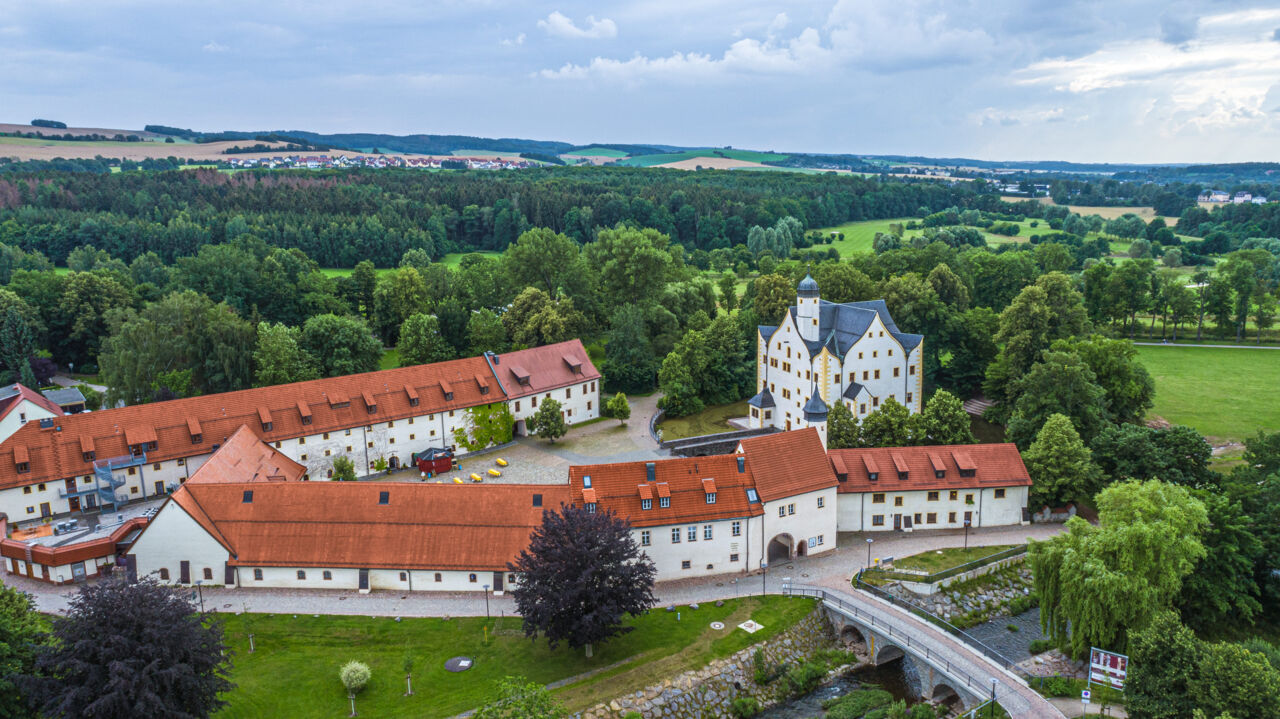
(20, 405)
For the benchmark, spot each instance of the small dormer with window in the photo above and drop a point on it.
(482, 384)
(339, 401)
(521, 375)
(304, 412)
(709, 489)
(140, 439)
(370, 404)
(873, 469)
(264, 417)
(939, 467)
(21, 459)
(646, 496)
(194, 430)
(412, 394)
(87, 449)
(447, 389)
(965, 463)
(900, 464)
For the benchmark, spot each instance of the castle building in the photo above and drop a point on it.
(823, 353)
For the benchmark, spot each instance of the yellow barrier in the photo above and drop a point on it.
(457, 481)
(495, 473)
(500, 462)
(475, 477)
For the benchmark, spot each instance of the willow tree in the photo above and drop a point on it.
(1096, 583)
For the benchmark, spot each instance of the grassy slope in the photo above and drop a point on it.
(709, 421)
(1227, 394)
(595, 152)
(294, 671)
(940, 559)
(745, 155)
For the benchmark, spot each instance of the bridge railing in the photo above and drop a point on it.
(936, 620)
(974, 684)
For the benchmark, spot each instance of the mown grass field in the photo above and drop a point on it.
(858, 236)
(294, 672)
(1226, 394)
(709, 421)
(595, 152)
(745, 155)
(939, 559)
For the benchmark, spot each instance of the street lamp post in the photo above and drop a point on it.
(764, 578)
(200, 592)
(869, 541)
(992, 711)
(486, 601)
(966, 533)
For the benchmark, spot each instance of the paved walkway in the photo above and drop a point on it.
(830, 570)
(1073, 708)
(975, 670)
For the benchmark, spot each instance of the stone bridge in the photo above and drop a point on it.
(945, 666)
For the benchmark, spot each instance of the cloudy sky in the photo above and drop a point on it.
(995, 79)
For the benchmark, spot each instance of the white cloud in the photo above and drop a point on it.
(995, 116)
(560, 25)
(513, 41)
(1219, 78)
(213, 46)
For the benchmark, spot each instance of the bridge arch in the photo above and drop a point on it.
(780, 548)
(886, 653)
(943, 693)
(851, 636)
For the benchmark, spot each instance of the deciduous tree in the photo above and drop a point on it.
(581, 575)
(421, 342)
(342, 345)
(1060, 465)
(521, 699)
(618, 408)
(887, 426)
(548, 422)
(279, 359)
(943, 421)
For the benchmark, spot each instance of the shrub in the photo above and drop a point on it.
(1040, 646)
(744, 707)
(354, 675)
(766, 672)
(805, 678)
(1026, 602)
(1011, 627)
(855, 704)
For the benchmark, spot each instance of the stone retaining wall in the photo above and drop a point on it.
(706, 692)
(935, 587)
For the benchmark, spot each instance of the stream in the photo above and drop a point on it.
(889, 677)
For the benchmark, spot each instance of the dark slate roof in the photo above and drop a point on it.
(766, 332)
(65, 396)
(763, 400)
(808, 287)
(815, 409)
(852, 391)
(840, 325)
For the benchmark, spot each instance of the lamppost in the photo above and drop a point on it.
(486, 601)
(992, 711)
(200, 592)
(764, 578)
(966, 533)
(869, 541)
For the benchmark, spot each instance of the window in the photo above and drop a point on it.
(180, 461)
(384, 498)
(412, 437)
(877, 371)
(822, 502)
(31, 510)
(438, 577)
(953, 495)
(968, 499)
(327, 452)
(302, 458)
(327, 575)
(26, 489)
(404, 576)
(646, 504)
(391, 424)
(133, 471)
(862, 408)
(257, 575)
(752, 496)
(791, 509)
(917, 518)
(931, 518)
(733, 557)
(164, 574)
(590, 507)
(568, 392)
(693, 532)
(933, 496)
(736, 529)
(911, 369)
(999, 494)
(326, 435)
(875, 401)
(711, 497)
(247, 498)
(347, 432)
(664, 502)
(877, 520)
(156, 467)
(951, 517)
(686, 564)
(675, 535)
(897, 501)
(706, 532)
(782, 511)
(471, 578)
(865, 375)
(877, 498)
(644, 538)
(896, 371)
(133, 490)
(208, 573)
(301, 575)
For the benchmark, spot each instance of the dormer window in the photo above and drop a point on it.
(752, 496)
(370, 404)
(939, 467)
(265, 418)
(90, 456)
(197, 438)
(447, 389)
(21, 460)
(304, 412)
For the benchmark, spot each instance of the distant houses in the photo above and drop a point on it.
(1240, 198)
(342, 162)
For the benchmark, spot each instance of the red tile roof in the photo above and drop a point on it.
(997, 465)
(56, 454)
(22, 392)
(547, 368)
(621, 486)
(788, 463)
(344, 524)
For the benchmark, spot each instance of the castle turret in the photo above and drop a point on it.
(807, 309)
(815, 415)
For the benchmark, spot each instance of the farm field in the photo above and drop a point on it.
(707, 154)
(1226, 394)
(294, 670)
(595, 152)
(858, 236)
(1106, 213)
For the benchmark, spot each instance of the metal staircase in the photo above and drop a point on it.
(107, 482)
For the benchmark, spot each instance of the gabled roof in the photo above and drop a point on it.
(65, 396)
(996, 465)
(853, 390)
(622, 485)
(788, 463)
(12, 395)
(841, 325)
(55, 454)
(546, 368)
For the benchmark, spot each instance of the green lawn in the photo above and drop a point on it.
(709, 421)
(858, 236)
(1224, 393)
(940, 559)
(294, 672)
(744, 155)
(595, 152)
(390, 359)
